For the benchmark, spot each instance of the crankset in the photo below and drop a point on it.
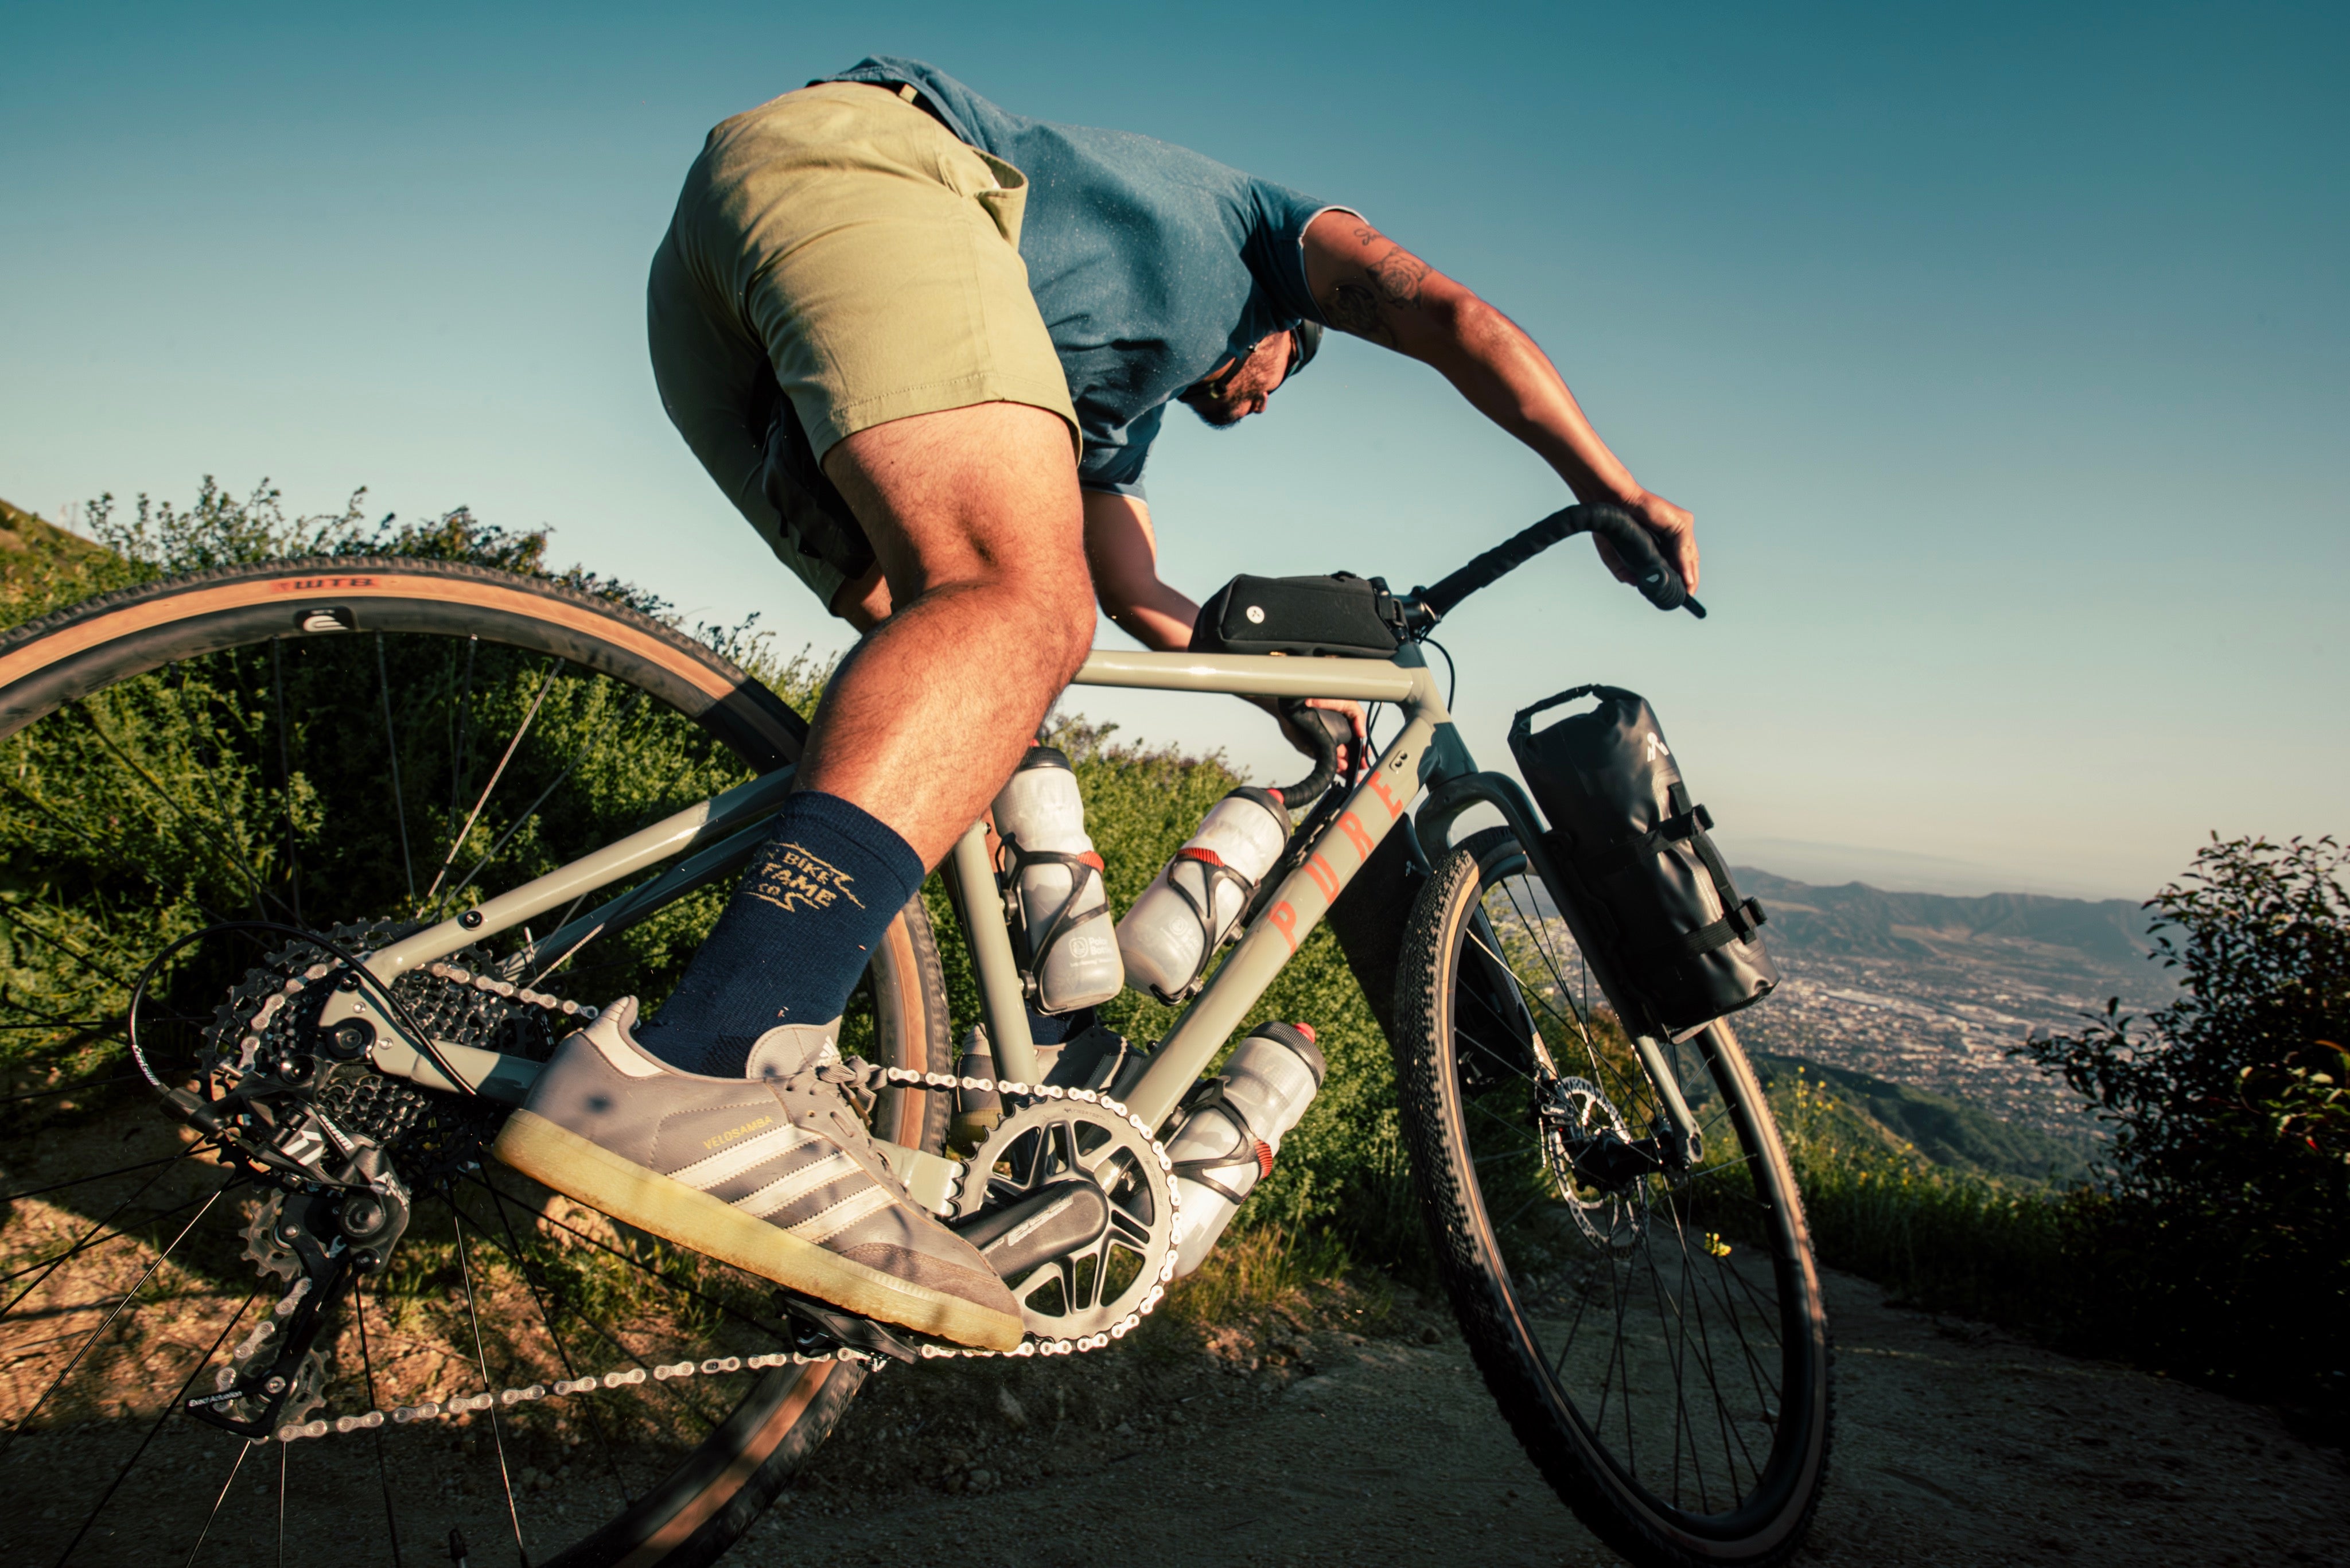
(1072, 1201)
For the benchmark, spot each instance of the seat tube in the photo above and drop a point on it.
(1000, 994)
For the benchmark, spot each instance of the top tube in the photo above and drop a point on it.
(1257, 675)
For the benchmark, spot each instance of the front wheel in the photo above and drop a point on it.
(1651, 1328)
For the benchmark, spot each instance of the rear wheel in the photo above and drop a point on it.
(349, 746)
(1654, 1334)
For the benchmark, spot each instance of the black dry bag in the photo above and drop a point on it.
(1669, 937)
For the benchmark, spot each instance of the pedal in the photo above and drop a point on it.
(818, 1329)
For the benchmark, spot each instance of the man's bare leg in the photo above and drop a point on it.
(974, 515)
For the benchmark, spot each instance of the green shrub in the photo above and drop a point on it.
(161, 804)
(2222, 1247)
(1954, 1240)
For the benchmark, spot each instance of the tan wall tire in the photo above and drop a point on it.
(719, 1488)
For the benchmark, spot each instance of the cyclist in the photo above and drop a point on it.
(924, 346)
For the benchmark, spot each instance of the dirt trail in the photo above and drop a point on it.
(1955, 1445)
(1359, 1434)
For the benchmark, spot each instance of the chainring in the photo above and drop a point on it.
(1103, 1287)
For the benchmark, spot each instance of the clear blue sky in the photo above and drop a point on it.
(2003, 353)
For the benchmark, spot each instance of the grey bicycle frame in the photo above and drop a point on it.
(718, 834)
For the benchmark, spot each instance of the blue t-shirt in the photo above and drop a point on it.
(1151, 265)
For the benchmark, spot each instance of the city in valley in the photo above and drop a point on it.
(1932, 992)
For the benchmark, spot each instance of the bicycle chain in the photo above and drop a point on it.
(635, 1376)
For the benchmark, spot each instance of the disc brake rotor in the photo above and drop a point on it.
(1573, 1113)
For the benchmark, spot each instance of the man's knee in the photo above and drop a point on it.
(1054, 602)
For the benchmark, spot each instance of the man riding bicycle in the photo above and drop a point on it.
(924, 347)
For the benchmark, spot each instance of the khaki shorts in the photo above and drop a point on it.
(845, 241)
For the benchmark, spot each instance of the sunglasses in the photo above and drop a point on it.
(1214, 386)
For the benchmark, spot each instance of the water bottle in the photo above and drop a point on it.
(1060, 906)
(1233, 1127)
(1174, 929)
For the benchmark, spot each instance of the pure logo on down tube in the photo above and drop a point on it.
(1283, 916)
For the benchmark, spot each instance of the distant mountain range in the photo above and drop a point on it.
(1856, 920)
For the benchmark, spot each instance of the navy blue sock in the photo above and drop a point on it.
(790, 947)
(1058, 1028)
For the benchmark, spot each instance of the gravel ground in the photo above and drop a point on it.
(1351, 1429)
(1955, 1444)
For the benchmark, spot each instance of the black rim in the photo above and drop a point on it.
(1670, 1316)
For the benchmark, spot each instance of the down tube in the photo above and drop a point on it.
(1298, 905)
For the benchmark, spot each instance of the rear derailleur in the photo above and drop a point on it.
(339, 1212)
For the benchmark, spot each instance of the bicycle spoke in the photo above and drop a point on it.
(490, 788)
(382, 1468)
(236, 854)
(594, 743)
(611, 1336)
(101, 1176)
(482, 1359)
(286, 775)
(14, 915)
(399, 800)
(283, 1450)
(95, 1335)
(461, 733)
(235, 1465)
(88, 1240)
(562, 1351)
(169, 1406)
(69, 1088)
(1678, 1345)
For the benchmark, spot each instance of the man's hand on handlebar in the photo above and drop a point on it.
(1339, 710)
(1675, 532)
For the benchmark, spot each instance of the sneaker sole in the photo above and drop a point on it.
(578, 1169)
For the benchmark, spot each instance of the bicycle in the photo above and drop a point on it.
(1614, 1219)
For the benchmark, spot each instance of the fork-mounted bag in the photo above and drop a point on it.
(1651, 898)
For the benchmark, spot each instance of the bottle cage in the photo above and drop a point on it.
(1084, 869)
(1210, 1096)
(1214, 870)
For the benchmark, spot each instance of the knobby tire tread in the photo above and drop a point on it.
(1454, 1231)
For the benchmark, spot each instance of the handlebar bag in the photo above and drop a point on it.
(1671, 941)
(1340, 614)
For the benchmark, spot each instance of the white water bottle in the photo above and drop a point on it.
(1057, 886)
(1174, 930)
(1232, 1130)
